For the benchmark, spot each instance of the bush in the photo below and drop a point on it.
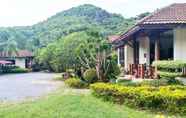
(125, 82)
(171, 64)
(163, 74)
(155, 83)
(170, 69)
(18, 70)
(76, 83)
(90, 76)
(167, 98)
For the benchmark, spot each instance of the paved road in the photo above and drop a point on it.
(15, 87)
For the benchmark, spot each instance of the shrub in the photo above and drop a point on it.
(167, 98)
(90, 76)
(76, 83)
(163, 74)
(125, 82)
(171, 64)
(155, 83)
(170, 69)
(18, 70)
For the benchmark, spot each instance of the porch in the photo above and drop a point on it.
(149, 43)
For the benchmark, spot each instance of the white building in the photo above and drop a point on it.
(159, 36)
(22, 58)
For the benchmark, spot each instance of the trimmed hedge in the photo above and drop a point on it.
(76, 83)
(167, 98)
(170, 69)
(164, 74)
(171, 64)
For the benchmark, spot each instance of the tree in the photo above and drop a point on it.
(80, 51)
(96, 53)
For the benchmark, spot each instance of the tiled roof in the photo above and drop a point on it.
(21, 53)
(113, 38)
(175, 13)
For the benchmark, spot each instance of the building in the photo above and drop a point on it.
(22, 58)
(159, 36)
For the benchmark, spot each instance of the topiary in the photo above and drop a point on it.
(90, 76)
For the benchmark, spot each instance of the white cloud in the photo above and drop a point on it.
(28, 12)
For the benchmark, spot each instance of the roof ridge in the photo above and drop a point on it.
(155, 12)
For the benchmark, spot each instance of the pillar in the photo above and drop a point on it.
(129, 56)
(157, 55)
(118, 53)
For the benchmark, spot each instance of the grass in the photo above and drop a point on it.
(59, 105)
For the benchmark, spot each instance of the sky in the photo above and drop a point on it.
(29, 12)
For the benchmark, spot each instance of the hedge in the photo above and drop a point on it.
(167, 98)
(170, 64)
(170, 68)
(164, 74)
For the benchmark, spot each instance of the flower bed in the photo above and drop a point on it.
(167, 98)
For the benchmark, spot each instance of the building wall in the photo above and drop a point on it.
(144, 50)
(180, 44)
(129, 56)
(20, 62)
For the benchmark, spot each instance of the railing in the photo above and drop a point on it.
(142, 71)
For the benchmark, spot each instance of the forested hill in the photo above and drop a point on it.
(73, 20)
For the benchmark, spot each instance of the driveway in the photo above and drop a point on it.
(15, 87)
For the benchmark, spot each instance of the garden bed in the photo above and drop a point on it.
(167, 98)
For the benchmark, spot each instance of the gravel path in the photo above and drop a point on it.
(15, 87)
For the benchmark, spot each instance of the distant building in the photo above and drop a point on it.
(22, 58)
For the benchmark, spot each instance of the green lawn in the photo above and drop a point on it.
(59, 105)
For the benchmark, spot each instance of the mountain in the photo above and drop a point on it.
(73, 20)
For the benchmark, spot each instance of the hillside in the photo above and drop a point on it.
(63, 23)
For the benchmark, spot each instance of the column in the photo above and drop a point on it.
(118, 51)
(157, 55)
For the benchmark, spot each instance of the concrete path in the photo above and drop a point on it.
(15, 87)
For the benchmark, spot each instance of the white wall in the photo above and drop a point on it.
(144, 49)
(20, 62)
(129, 56)
(180, 44)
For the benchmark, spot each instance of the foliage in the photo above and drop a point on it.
(76, 83)
(90, 76)
(170, 69)
(16, 70)
(60, 25)
(142, 15)
(153, 83)
(81, 51)
(170, 64)
(163, 74)
(167, 98)
(160, 82)
(61, 55)
(125, 82)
